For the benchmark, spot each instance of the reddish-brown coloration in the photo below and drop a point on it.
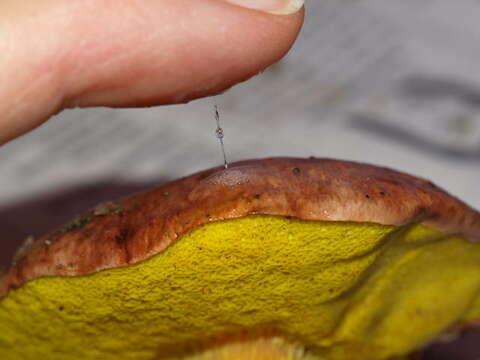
(309, 189)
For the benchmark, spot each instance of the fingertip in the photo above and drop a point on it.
(276, 7)
(132, 53)
(192, 51)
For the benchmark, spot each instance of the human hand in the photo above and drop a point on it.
(58, 54)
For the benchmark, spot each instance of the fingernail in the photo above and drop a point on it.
(278, 7)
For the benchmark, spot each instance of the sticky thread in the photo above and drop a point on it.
(220, 135)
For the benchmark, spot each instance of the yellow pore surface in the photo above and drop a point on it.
(342, 290)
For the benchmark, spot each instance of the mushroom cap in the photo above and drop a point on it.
(142, 225)
(340, 241)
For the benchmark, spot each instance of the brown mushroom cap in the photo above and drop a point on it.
(138, 227)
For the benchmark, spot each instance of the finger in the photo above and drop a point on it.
(132, 53)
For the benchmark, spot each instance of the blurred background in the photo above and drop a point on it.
(384, 82)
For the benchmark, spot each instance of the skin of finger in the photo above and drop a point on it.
(30, 64)
(130, 53)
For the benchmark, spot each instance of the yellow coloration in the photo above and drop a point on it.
(264, 348)
(473, 314)
(345, 290)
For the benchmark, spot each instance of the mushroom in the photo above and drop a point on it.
(278, 258)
